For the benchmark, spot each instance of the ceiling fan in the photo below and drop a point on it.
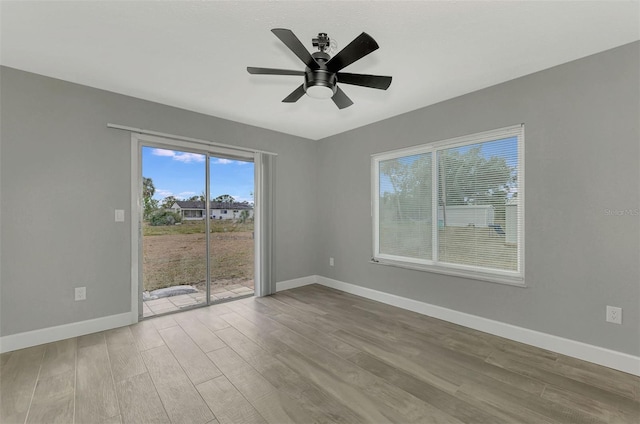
(322, 73)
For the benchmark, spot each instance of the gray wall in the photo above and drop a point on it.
(581, 157)
(62, 175)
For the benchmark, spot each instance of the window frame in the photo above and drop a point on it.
(515, 278)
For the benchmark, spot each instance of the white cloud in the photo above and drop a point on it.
(162, 152)
(186, 194)
(163, 193)
(183, 157)
(241, 199)
(222, 161)
(189, 157)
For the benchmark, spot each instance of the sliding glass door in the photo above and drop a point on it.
(196, 229)
(231, 239)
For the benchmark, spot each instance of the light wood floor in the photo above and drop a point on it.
(308, 355)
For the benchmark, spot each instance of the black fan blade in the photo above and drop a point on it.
(364, 80)
(361, 46)
(295, 95)
(272, 71)
(341, 100)
(294, 44)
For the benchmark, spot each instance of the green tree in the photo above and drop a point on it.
(148, 190)
(410, 179)
(472, 179)
(164, 217)
(224, 198)
(244, 216)
(419, 186)
(167, 202)
(398, 175)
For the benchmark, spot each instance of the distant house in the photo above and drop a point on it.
(189, 209)
(193, 210)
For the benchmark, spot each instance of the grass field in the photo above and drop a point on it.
(479, 246)
(176, 254)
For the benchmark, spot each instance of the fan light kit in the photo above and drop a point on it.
(322, 73)
(319, 91)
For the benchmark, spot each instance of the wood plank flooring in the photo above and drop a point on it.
(307, 355)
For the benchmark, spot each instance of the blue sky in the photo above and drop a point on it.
(182, 174)
(506, 148)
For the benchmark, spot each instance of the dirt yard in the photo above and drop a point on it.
(174, 259)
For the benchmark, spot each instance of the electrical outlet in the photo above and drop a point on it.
(614, 314)
(331, 262)
(81, 293)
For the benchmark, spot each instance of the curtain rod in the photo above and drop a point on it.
(182, 138)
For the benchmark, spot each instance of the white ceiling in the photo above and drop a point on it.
(194, 55)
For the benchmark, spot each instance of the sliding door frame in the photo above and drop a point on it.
(138, 141)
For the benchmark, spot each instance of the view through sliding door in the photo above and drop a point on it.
(231, 222)
(197, 228)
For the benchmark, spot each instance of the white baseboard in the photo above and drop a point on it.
(61, 332)
(598, 355)
(296, 282)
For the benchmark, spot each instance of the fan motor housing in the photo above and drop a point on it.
(320, 78)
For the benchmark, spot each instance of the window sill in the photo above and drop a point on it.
(474, 275)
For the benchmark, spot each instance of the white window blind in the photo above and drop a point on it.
(405, 207)
(455, 206)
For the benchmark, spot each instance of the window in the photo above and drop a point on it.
(454, 206)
